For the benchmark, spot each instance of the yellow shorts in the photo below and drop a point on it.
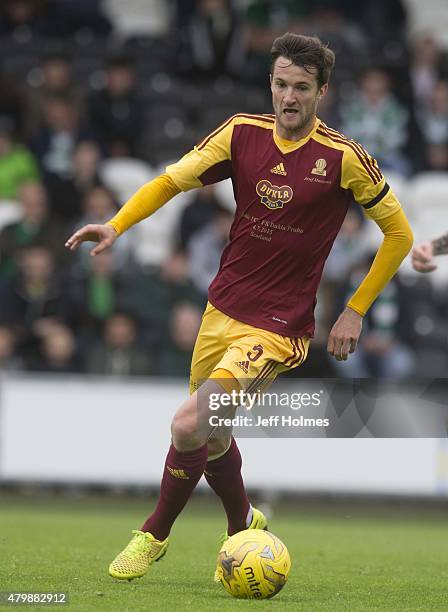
(253, 356)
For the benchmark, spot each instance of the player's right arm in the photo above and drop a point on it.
(209, 162)
(142, 204)
(423, 253)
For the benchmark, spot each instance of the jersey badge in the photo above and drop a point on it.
(273, 197)
(319, 167)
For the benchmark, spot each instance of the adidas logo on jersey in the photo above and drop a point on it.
(279, 169)
(244, 365)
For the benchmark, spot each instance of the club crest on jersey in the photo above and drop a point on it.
(319, 167)
(273, 197)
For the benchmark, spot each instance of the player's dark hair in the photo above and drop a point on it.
(308, 52)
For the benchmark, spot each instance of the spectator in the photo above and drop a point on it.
(55, 81)
(381, 352)
(117, 111)
(36, 224)
(17, 164)
(162, 289)
(213, 41)
(119, 353)
(437, 157)
(9, 359)
(349, 248)
(264, 21)
(12, 103)
(34, 298)
(197, 214)
(23, 18)
(82, 17)
(175, 355)
(67, 194)
(205, 250)
(61, 18)
(330, 19)
(329, 108)
(98, 206)
(56, 141)
(433, 120)
(382, 21)
(95, 293)
(57, 351)
(426, 69)
(376, 119)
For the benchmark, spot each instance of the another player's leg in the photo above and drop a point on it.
(184, 466)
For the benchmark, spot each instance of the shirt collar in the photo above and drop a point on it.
(286, 146)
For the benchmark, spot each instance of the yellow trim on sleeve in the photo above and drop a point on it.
(359, 170)
(211, 151)
(144, 203)
(396, 245)
(360, 175)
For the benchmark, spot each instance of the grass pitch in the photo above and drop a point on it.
(340, 561)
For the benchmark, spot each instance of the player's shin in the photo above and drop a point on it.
(223, 474)
(181, 474)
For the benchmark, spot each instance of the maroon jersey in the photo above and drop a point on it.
(291, 199)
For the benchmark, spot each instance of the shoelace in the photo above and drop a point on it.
(139, 543)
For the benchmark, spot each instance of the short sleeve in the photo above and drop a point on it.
(209, 162)
(361, 175)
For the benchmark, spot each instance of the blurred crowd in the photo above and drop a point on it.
(96, 99)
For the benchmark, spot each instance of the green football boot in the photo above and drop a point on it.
(135, 560)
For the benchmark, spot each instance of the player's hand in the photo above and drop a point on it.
(422, 257)
(344, 335)
(105, 235)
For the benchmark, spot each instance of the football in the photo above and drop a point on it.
(253, 564)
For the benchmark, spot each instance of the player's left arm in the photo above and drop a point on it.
(380, 204)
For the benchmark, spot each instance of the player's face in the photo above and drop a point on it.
(295, 95)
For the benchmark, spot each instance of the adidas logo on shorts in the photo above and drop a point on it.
(244, 365)
(279, 169)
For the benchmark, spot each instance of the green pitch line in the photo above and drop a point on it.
(339, 563)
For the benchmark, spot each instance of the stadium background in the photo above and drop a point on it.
(95, 99)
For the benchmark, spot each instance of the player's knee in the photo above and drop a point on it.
(218, 446)
(185, 432)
